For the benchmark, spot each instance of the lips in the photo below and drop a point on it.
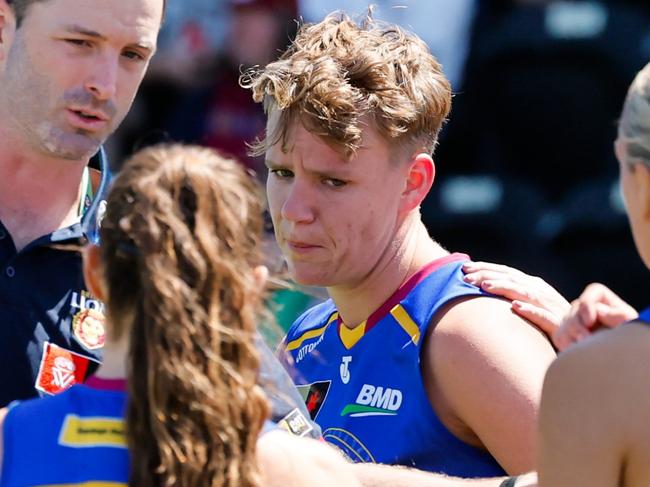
(86, 118)
(298, 246)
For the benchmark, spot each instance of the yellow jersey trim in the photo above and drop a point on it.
(295, 344)
(406, 322)
(351, 336)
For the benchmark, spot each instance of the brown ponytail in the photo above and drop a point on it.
(180, 240)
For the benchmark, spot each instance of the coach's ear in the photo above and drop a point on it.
(421, 173)
(7, 28)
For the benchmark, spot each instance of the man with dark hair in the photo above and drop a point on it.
(68, 76)
(69, 70)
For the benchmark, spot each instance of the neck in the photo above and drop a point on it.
(115, 355)
(38, 195)
(415, 249)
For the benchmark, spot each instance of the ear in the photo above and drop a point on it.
(421, 173)
(93, 271)
(641, 174)
(7, 28)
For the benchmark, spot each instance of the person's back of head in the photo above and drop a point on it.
(338, 73)
(633, 152)
(635, 120)
(179, 244)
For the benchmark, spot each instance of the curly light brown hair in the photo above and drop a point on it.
(179, 244)
(338, 72)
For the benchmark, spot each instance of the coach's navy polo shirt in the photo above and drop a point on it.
(51, 328)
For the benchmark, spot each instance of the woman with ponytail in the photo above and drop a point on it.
(176, 400)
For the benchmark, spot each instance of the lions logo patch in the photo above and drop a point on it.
(88, 328)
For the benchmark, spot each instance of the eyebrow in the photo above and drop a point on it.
(77, 29)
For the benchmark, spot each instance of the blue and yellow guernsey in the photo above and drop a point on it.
(364, 386)
(76, 438)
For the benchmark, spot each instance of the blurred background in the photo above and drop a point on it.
(526, 174)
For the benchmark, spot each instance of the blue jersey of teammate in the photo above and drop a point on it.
(75, 437)
(645, 315)
(364, 386)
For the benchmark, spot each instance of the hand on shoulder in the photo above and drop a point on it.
(597, 307)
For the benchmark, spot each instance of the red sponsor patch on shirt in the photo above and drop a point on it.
(60, 369)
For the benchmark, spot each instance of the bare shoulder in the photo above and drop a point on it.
(479, 352)
(483, 327)
(595, 404)
(289, 461)
(611, 367)
(480, 318)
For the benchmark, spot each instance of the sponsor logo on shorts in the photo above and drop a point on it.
(374, 401)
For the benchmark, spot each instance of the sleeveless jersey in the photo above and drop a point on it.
(72, 439)
(364, 386)
(76, 437)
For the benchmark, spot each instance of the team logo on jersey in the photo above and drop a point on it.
(88, 320)
(296, 423)
(345, 369)
(348, 444)
(374, 401)
(88, 328)
(60, 369)
(314, 396)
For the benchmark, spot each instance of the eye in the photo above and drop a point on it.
(133, 55)
(335, 183)
(78, 42)
(282, 173)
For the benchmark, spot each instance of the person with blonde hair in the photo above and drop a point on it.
(594, 418)
(406, 363)
(176, 400)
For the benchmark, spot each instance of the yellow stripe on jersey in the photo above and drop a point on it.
(89, 484)
(88, 432)
(406, 322)
(350, 336)
(294, 344)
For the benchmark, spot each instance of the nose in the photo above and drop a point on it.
(298, 206)
(102, 81)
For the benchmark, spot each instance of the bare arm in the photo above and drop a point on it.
(290, 461)
(373, 475)
(484, 368)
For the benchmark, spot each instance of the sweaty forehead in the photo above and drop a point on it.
(133, 21)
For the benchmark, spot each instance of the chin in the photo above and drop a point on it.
(306, 277)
